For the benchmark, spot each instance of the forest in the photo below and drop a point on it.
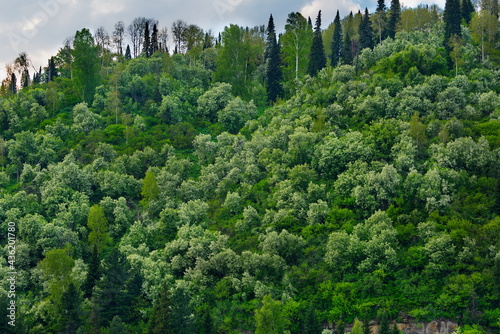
(253, 181)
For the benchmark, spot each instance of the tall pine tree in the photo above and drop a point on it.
(273, 70)
(128, 55)
(452, 19)
(153, 47)
(160, 320)
(336, 41)
(365, 32)
(146, 48)
(466, 10)
(394, 18)
(380, 21)
(317, 58)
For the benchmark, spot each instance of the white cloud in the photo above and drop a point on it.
(106, 7)
(329, 9)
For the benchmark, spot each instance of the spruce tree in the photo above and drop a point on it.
(340, 327)
(366, 326)
(347, 54)
(94, 272)
(51, 70)
(154, 40)
(452, 19)
(466, 10)
(395, 329)
(365, 31)
(384, 325)
(13, 84)
(128, 55)
(161, 317)
(25, 78)
(146, 48)
(394, 18)
(311, 324)
(336, 41)
(70, 310)
(273, 70)
(317, 58)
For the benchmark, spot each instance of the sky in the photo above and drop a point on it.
(39, 27)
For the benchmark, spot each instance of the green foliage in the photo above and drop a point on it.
(85, 64)
(269, 318)
(98, 225)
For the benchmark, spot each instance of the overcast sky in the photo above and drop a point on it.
(39, 27)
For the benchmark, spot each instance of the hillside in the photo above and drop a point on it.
(229, 183)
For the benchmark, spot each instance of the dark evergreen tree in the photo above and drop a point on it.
(154, 40)
(206, 325)
(146, 47)
(94, 272)
(117, 326)
(366, 326)
(309, 22)
(160, 320)
(182, 320)
(273, 69)
(128, 55)
(311, 324)
(111, 291)
(317, 58)
(496, 277)
(395, 329)
(207, 41)
(452, 19)
(13, 84)
(381, 6)
(70, 310)
(394, 18)
(365, 32)
(51, 70)
(340, 327)
(384, 325)
(336, 41)
(466, 10)
(347, 54)
(25, 78)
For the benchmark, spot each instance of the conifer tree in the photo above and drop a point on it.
(51, 70)
(117, 326)
(340, 327)
(146, 48)
(317, 58)
(452, 19)
(94, 272)
(206, 325)
(25, 79)
(366, 326)
(13, 84)
(70, 310)
(347, 54)
(311, 323)
(395, 329)
(336, 41)
(154, 41)
(128, 55)
(466, 10)
(384, 325)
(161, 317)
(309, 22)
(273, 70)
(365, 31)
(394, 18)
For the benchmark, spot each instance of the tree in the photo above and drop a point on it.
(118, 36)
(337, 40)
(13, 84)
(317, 59)
(160, 320)
(154, 46)
(452, 19)
(150, 189)
(384, 325)
(98, 225)
(357, 327)
(380, 20)
(127, 53)
(466, 10)
(366, 326)
(146, 47)
(395, 329)
(311, 324)
(237, 112)
(94, 272)
(178, 30)
(484, 29)
(269, 318)
(273, 64)
(86, 65)
(394, 18)
(296, 45)
(70, 310)
(117, 326)
(365, 32)
(51, 70)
